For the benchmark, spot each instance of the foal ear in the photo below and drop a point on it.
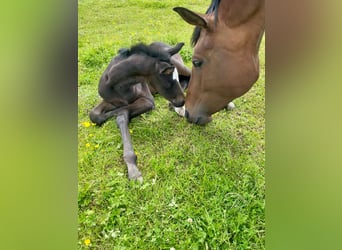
(168, 71)
(165, 68)
(175, 49)
(192, 17)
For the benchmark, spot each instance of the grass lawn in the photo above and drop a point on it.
(204, 187)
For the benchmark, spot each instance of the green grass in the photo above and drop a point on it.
(204, 187)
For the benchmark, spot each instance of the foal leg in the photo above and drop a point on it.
(102, 112)
(130, 157)
(141, 105)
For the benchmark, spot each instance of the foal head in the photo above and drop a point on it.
(163, 80)
(141, 64)
(153, 63)
(225, 60)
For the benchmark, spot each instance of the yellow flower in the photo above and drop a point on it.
(131, 131)
(87, 242)
(86, 124)
(88, 145)
(91, 135)
(97, 145)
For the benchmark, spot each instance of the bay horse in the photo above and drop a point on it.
(225, 60)
(128, 84)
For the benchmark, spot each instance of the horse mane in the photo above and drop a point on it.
(144, 49)
(197, 31)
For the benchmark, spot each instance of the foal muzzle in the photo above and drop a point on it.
(178, 102)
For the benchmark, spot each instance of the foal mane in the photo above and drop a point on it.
(143, 49)
(197, 31)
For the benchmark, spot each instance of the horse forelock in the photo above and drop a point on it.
(142, 49)
(213, 8)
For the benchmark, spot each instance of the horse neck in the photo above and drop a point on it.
(247, 16)
(236, 12)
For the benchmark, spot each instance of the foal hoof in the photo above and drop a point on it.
(138, 179)
(180, 111)
(230, 106)
(135, 175)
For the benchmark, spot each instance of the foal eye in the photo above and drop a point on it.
(197, 63)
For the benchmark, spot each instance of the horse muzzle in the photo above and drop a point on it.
(197, 119)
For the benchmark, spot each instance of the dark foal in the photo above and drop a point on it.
(126, 87)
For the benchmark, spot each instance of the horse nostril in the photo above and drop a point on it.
(186, 114)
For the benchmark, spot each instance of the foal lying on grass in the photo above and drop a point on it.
(127, 85)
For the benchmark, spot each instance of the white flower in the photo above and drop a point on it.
(173, 203)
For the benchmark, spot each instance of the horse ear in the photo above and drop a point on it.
(192, 17)
(175, 49)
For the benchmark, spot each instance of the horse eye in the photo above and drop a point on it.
(197, 63)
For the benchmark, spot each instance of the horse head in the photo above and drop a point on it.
(225, 60)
